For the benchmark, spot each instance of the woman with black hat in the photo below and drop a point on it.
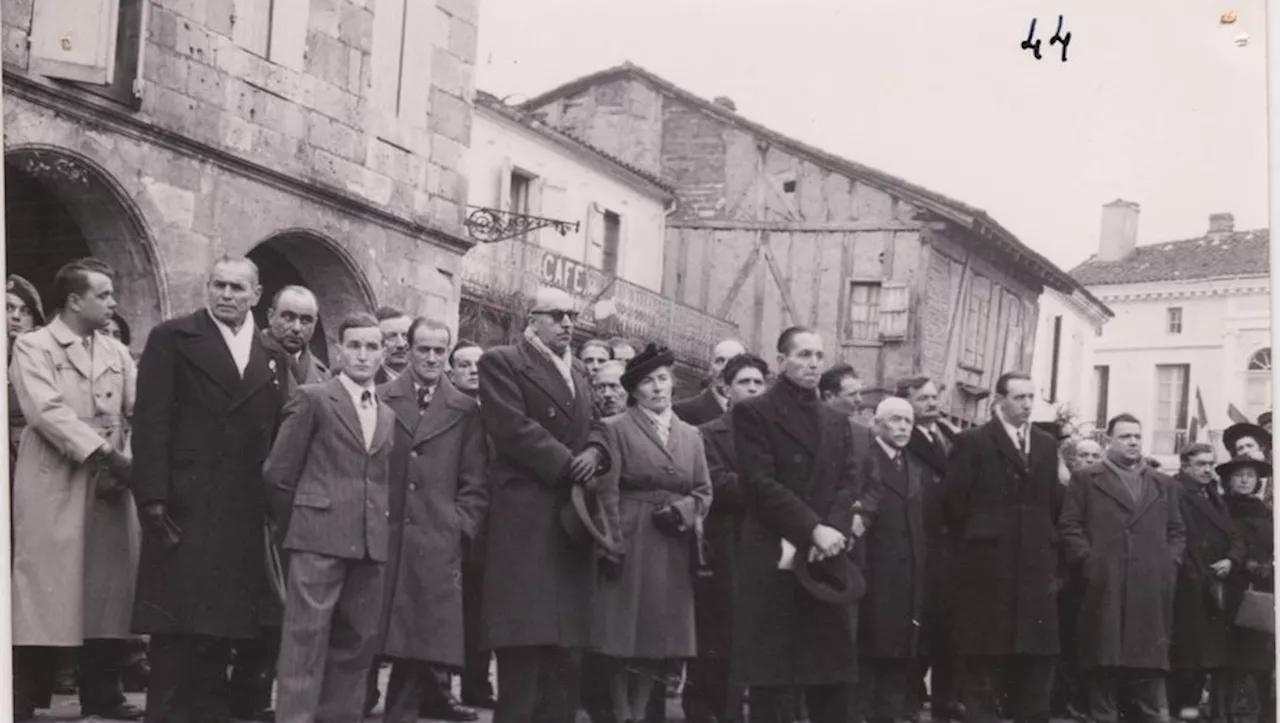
(1253, 442)
(656, 493)
(1251, 653)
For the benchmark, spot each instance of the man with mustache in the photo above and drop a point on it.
(394, 324)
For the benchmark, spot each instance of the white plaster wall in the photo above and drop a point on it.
(569, 183)
(1075, 358)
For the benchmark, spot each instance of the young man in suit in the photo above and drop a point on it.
(209, 401)
(931, 441)
(1002, 501)
(327, 485)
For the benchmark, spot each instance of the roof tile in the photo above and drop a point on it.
(1240, 253)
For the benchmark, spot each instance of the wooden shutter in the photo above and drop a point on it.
(388, 34)
(504, 185)
(415, 66)
(75, 39)
(595, 237)
(895, 300)
(251, 25)
(289, 20)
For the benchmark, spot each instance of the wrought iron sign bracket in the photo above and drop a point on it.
(490, 225)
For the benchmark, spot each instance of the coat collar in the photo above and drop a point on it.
(90, 366)
(1212, 508)
(791, 413)
(448, 406)
(542, 371)
(202, 343)
(1111, 485)
(922, 449)
(995, 428)
(906, 485)
(351, 419)
(637, 418)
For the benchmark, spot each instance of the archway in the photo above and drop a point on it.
(59, 207)
(307, 259)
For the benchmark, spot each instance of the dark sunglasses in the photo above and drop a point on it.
(559, 315)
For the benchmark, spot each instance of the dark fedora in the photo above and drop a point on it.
(835, 580)
(584, 519)
(1236, 432)
(1226, 468)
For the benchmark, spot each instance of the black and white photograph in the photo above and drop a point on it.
(586, 361)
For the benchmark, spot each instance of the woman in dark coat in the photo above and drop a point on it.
(1249, 652)
(656, 493)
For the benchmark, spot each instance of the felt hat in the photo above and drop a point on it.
(584, 520)
(646, 362)
(23, 289)
(1225, 469)
(1236, 432)
(835, 580)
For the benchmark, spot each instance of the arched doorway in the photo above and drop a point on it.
(307, 259)
(60, 207)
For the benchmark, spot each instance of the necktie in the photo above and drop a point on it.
(897, 461)
(1022, 443)
(368, 419)
(424, 398)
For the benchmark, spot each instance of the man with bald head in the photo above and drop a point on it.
(291, 323)
(712, 402)
(210, 396)
(894, 559)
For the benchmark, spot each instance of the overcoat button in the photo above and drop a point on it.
(413, 453)
(413, 486)
(551, 413)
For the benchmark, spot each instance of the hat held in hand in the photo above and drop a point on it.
(584, 520)
(835, 580)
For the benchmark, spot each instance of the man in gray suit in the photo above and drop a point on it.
(327, 485)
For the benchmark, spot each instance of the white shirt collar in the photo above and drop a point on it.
(662, 419)
(239, 343)
(889, 449)
(927, 431)
(563, 362)
(357, 390)
(1013, 431)
(722, 399)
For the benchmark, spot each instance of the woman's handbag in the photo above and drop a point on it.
(1257, 611)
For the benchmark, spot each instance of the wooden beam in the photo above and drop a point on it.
(802, 226)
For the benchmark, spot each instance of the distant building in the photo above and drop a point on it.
(769, 232)
(601, 238)
(1062, 363)
(1193, 317)
(324, 140)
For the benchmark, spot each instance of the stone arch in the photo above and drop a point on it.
(61, 205)
(308, 258)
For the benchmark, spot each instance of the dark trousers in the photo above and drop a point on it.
(475, 674)
(34, 672)
(188, 681)
(1023, 681)
(708, 691)
(541, 679)
(885, 686)
(253, 671)
(943, 666)
(1266, 694)
(826, 703)
(594, 690)
(1186, 687)
(415, 685)
(1143, 688)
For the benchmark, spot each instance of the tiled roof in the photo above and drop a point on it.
(974, 219)
(1234, 254)
(533, 122)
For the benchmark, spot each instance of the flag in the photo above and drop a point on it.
(1236, 415)
(1199, 422)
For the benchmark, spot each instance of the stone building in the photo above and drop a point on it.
(769, 232)
(1192, 329)
(322, 138)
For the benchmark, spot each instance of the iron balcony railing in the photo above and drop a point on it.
(509, 272)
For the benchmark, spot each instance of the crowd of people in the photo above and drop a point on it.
(767, 548)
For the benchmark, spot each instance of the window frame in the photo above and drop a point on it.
(1173, 317)
(126, 64)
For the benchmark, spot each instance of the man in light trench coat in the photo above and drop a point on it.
(76, 529)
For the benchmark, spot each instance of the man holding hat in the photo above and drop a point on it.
(799, 481)
(536, 407)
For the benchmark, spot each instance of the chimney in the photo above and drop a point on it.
(1119, 230)
(726, 102)
(1221, 223)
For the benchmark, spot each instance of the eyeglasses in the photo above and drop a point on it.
(559, 315)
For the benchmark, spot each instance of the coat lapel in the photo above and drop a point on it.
(385, 431)
(541, 371)
(891, 481)
(789, 418)
(260, 371)
(73, 347)
(446, 409)
(996, 429)
(1150, 491)
(207, 351)
(1207, 507)
(638, 419)
(1109, 483)
(400, 396)
(346, 410)
(927, 452)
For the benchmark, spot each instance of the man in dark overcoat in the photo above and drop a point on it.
(711, 402)
(1122, 524)
(1002, 503)
(437, 501)
(1200, 621)
(536, 406)
(708, 693)
(799, 484)
(209, 402)
(895, 557)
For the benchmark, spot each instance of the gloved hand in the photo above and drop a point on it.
(152, 516)
(667, 519)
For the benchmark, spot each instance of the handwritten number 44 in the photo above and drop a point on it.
(1032, 43)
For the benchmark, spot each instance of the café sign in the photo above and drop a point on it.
(572, 276)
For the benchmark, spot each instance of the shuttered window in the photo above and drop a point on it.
(274, 29)
(402, 51)
(95, 44)
(977, 323)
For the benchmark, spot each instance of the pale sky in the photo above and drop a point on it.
(1155, 104)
